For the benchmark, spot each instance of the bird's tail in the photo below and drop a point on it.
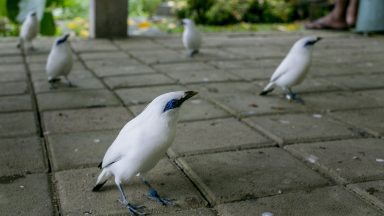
(268, 88)
(193, 52)
(101, 180)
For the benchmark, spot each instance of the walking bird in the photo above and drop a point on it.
(191, 37)
(60, 61)
(293, 69)
(141, 143)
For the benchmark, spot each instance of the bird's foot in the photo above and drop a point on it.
(153, 195)
(132, 209)
(18, 46)
(71, 85)
(294, 97)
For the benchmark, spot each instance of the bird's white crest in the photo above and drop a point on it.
(60, 60)
(191, 37)
(293, 69)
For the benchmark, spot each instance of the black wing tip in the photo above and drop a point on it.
(98, 187)
(100, 164)
(265, 92)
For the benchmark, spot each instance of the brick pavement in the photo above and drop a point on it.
(235, 153)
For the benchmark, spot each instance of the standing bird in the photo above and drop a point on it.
(191, 37)
(29, 31)
(293, 69)
(59, 61)
(140, 145)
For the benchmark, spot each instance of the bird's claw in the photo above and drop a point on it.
(153, 195)
(294, 97)
(132, 209)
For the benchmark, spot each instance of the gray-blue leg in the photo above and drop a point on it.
(153, 195)
(293, 96)
(133, 210)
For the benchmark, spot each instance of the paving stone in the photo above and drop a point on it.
(25, 195)
(203, 76)
(10, 76)
(354, 160)
(21, 155)
(86, 45)
(256, 65)
(74, 150)
(372, 190)
(80, 84)
(12, 88)
(183, 67)
(371, 120)
(250, 74)
(114, 63)
(103, 55)
(229, 176)
(331, 101)
(15, 103)
(213, 54)
(192, 109)
(258, 52)
(159, 56)
(242, 99)
(377, 95)
(14, 68)
(330, 201)
(215, 135)
(291, 128)
(137, 81)
(17, 124)
(76, 99)
(133, 69)
(193, 212)
(11, 60)
(357, 82)
(134, 96)
(85, 119)
(138, 44)
(74, 189)
(357, 67)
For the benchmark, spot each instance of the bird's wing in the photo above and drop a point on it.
(125, 141)
(281, 70)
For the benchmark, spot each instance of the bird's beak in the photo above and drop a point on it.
(33, 14)
(188, 94)
(318, 39)
(65, 37)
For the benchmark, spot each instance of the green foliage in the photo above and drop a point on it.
(143, 7)
(47, 24)
(220, 12)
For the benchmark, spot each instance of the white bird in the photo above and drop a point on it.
(60, 61)
(191, 37)
(293, 69)
(141, 143)
(29, 30)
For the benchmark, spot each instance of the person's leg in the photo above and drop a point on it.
(334, 20)
(352, 12)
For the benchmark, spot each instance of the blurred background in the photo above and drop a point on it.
(157, 17)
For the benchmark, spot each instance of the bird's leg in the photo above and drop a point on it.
(69, 82)
(293, 96)
(152, 194)
(20, 44)
(133, 209)
(192, 53)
